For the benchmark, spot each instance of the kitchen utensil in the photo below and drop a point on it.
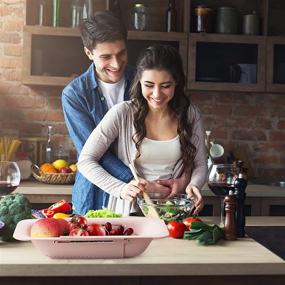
(152, 212)
(145, 230)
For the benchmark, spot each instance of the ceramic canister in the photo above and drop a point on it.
(226, 20)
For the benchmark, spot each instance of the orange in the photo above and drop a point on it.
(48, 168)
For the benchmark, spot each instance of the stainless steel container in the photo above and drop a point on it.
(226, 20)
(250, 24)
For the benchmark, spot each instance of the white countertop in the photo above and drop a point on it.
(163, 257)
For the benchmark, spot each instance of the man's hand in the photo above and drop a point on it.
(177, 186)
(154, 187)
(194, 194)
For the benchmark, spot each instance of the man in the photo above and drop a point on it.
(88, 97)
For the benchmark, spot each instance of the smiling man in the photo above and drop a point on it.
(87, 98)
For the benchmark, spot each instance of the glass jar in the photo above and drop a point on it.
(139, 17)
(203, 19)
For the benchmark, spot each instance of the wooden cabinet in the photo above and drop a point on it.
(212, 61)
(238, 62)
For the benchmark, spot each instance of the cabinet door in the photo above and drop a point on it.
(275, 64)
(276, 47)
(226, 63)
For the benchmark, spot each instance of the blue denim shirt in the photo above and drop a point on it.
(84, 106)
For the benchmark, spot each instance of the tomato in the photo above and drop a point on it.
(78, 221)
(96, 230)
(78, 232)
(176, 229)
(188, 221)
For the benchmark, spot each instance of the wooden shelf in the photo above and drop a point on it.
(263, 46)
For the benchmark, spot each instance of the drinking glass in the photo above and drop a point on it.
(221, 180)
(10, 177)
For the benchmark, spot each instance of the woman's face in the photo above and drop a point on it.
(158, 88)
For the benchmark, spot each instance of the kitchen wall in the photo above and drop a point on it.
(250, 124)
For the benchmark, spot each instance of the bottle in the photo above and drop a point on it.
(240, 185)
(55, 13)
(230, 220)
(49, 147)
(87, 10)
(139, 17)
(41, 12)
(171, 17)
(76, 13)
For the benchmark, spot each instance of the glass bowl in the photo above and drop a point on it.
(176, 208)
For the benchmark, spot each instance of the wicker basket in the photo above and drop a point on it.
(53, 178)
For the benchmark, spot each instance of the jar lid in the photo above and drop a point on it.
(226, 8)
(139, 5)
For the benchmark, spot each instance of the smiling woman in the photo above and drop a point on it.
(159, 130)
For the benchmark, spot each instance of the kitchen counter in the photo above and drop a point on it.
(39, 192)
(260, 198)
(166, 260)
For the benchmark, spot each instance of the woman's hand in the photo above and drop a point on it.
(194, 193)
(132, 190)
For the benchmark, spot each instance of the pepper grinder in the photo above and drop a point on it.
(230, 222)
(240, 186)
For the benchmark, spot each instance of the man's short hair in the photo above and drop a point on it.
(104, 26)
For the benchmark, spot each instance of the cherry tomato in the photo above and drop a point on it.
(78, 232)
(188, 221)
(78, 221)
(175, 229)
(96, 230)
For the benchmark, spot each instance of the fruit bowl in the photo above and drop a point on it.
(177, 208)
(52, 178)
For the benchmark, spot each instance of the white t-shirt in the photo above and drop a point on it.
(158, 158)
(113, 92)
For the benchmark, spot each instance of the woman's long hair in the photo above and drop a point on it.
(163, 57)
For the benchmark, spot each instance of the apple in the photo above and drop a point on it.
(65, 170)
(46, 227)
(64, 227)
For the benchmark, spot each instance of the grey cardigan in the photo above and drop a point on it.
(116, 129)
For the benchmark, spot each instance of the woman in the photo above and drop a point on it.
(159, 130)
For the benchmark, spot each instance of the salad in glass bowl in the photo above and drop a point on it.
(176, 208)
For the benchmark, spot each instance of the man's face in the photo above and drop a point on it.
(110, 59)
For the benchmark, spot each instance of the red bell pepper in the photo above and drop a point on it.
(61, 206)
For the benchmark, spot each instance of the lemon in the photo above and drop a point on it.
(60, 163)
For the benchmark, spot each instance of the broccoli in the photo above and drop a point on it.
(13, 209)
